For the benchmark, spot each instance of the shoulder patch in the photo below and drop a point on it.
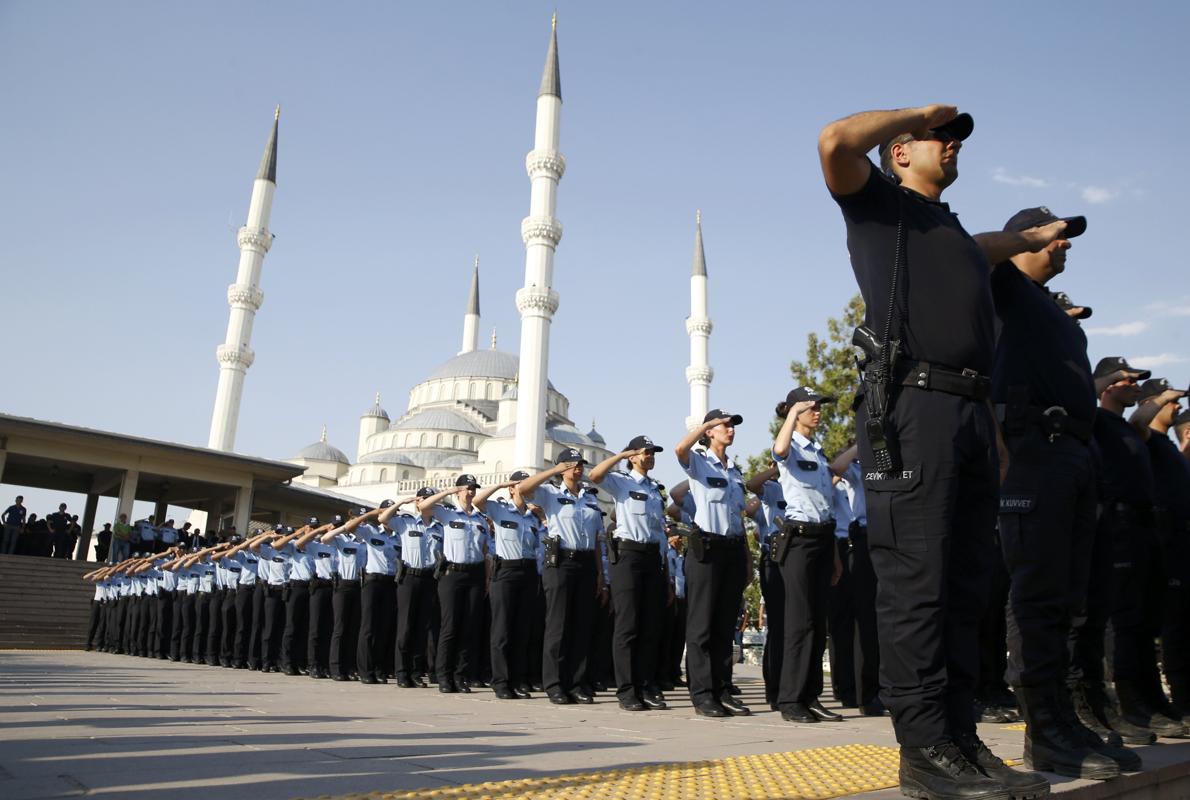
(1016, 503)
(894, 481)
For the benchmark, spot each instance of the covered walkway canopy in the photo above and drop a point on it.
(227, 486)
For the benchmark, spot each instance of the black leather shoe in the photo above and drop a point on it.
(404, 682)
(632, 704)
(797, 712)
(1021, 784)
(291, 671)
(504, 693)
(463, 686)
(339, 678)
(826, 716)
(599, 686)
(710, 708)
(734, 707)
(369, 679)
(447, 687)
(580, 696)
(734, 690)
(942, 771)
(560, 699)
(653, 701)
(522, 692)
(873, 709)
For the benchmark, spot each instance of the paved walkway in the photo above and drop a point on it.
(75, 724)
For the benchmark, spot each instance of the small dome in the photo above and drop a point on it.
(509, 393)
(388, 457)
(321, 451)
(595, 436)
(375, 410)
(567, 435)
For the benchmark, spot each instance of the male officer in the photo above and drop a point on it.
(319, 608)
(345, 602)
(925, 283)
(571, 576)
(13, 520)
(465, 540)
(417, 587)
(638, 576)
(1045, 400)
(514, 583)
(1157, 410)
(59, 523)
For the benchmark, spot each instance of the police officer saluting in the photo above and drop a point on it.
(514, 585)
(928, 440)
(638, 576)
(320, 615)
(421, 549)
(465, 535)
(805, 551)
(571, 576)
(346, 600)
(716, 563)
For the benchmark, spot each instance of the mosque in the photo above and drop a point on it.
(484, 411)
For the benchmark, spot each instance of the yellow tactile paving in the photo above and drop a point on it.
(811, 774)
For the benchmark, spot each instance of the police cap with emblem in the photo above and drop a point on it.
(467, 479)
(387, 503)
(958, 128)
(425, 491)
(313, 522)
(718, 413)
(1034, 217)
(1066, 304)
(642, 441)
(803, 394)
(1152, 388)
(518, 476)
(568, 455)
(1115, 368)
(337, 520)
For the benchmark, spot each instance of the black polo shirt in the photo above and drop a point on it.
(1039, 347)
(58, 522)
(1126, 473)
(945, 298)
(1171, 475)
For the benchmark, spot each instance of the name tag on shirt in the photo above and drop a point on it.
(278, 560)
(807, 465)
(454, 523)
(717, 483)
(638, 495)
(324, 555)
(415, 534)
(377, 542)
(350, 550)
(565, 501)
(508, 524)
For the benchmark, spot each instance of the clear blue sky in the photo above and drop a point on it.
(133, 131)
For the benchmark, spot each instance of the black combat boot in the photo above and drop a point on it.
(942, 772)
(1022, 785)
(1052, 746)
(1135, 709)
(1127, 760)
(1077, 696)
(1104, 709)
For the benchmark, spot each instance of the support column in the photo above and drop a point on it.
(160, 509)
(127, 493)
(214, 514)
(243, 510)
(3, 457)
(89, 510)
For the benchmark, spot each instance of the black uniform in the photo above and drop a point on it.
(1171, 475)
(930, 524)
(1042, 385)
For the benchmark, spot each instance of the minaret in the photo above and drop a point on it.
(537, 301)
(698, 325)
(244, 297)
(471, 318)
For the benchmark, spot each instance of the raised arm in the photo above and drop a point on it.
(350, 525)
(481, 498)
(1000, 246)
(682, 449)
(844, 460)
(289, 537)
(676, 496)
(600, 470)
(756, 485)
(307, 537)
(388, 512)
(529, 485)
(427, 503)
(785, 435)
(843, 145)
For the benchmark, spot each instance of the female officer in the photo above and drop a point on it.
(805, 552)
(772, 586)
(571, 577)
(637, 573)
(716, 563)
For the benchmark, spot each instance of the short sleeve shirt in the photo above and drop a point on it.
(15, 515)
(324, 558)
(718, 493)
(575, 519)
(677, 571)
(945, 297)
(464, 536)
(352, 556)
(301, 562)
(420, 542)
(772, 508)
(249, 567)
(517, 533)
(169, 534)
(806, 481)
(640, 511)
(146, 532)
(381, 550)
(274, 566)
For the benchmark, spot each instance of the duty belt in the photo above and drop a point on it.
(576, 555)
(317, 582)
(418, 572)
(452, 567)
(857, 528)
(715, 542)
(373, 576)
(1053, 421)
(1137, 513)
(936, 378)
(808, 529)
(300, 583)
(516, 562)
(637, 547)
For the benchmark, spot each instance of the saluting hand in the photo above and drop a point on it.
(935, 115)
(1040, 237)
(800, 407)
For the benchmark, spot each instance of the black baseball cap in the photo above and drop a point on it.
(387, 503)
(278, 527)
(568, 455)
(718, 413)
(519, 475)
(1032, 217)
(644, 441)
(803, 394)
(958, 128)
(467, 479)
(1154, 387)
(313, 522)
(1114, 368)
(338, 519)
(426, 491)
(1066, 304)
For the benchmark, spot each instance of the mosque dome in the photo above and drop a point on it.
(595, 436)
(480, 364)
(437, 419)
(375, 410)
(322, 451)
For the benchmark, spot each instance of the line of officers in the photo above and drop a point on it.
(458, 585)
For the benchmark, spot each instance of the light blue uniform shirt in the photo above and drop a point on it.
(146, 532)
(718, 492)
(249, 566)
(806, 481)
(169, 534)
(842, 510)
(168, 580)
(573, 518)
(686, 508)
(420, 542)
(381, 550)
(518, 534)
(352, 556)
(231, 572)
(301, 563)
(772, 508)
(677, 571)
(325, 559)
(206, 575)
(186, 580)
(464, 536)
(857, 500)
(640, 511)
(273, 568)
